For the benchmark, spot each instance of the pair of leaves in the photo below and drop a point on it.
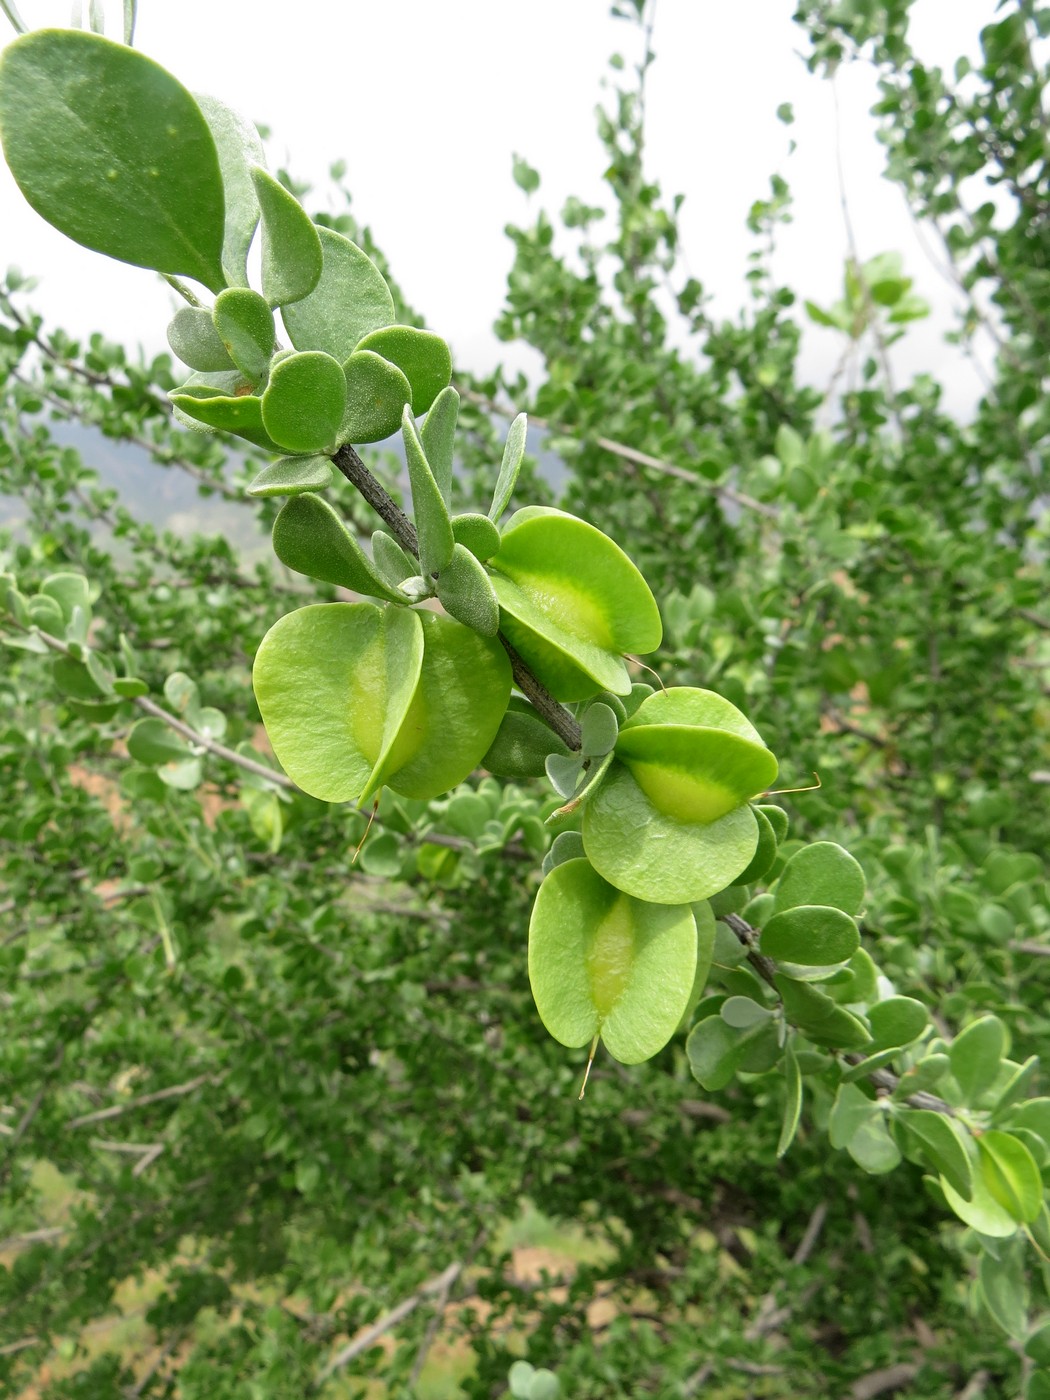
(671, 821)
(355, 697)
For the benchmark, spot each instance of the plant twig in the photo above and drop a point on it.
(633, 455)
(173, 1091)
(438, 1285)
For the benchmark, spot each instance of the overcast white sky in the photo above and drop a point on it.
(426, 102)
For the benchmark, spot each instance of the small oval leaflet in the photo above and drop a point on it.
(304, 402)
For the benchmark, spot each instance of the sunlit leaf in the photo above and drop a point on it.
(113, 151)
(601, 963)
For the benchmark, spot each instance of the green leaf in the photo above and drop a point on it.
(438, 436)
(544, 1385)
(335, 683)
(703, 917)
(599, 730)
(465, 592)
(70, 592)
(152, 743)
(522, 743)
(777, 818)
(858, 982)
(851, 1110)
(810, 934)
(238, 414)
(896, 1022)
(239, 149)
(741, 1013)
(872, 1148)
(1010, 1174)
(475, 532)
(765, 853)
(975, 1055)
(291, 476)
(391, 560)
(525, 177)
(712, 1052)
(513, 455)
(304, 402)
(1004, 1292)
(1033, 1115)
(519, 1378)
(792, 1102)
(433, 526)
(113, 152)
(601, 963)
(376, 395)
(424, 359)
(194, 339)
(819, 1018)
(944, 1145)
(350, 299)
(309, 537)
(573, 603)
(244, 323)
(651, 855)
(291, 247)
(821, 873)
(75, 680)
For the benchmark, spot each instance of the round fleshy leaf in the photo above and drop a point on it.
(240, 414)
(777, 818)
(943, 1144)
(822, 873)
(896, 1022)
(239, 148)
(464, 686)
(976, 1056)
(475, 532)
(813, 935)
(438, 436)
(194, 339)
(309, 537)
(244, 323)
(423, 358)
(574, 601)
(522, 744)
(1009, 1171)
(376, 394)
(766, 852)
(113, 151)
(291, 476)
(981, 1211)
(704, 918)
(291, 248)
(350, 299)
(602, 963)
(391, 560)
(650, 855)
(335, 683)
(466, 593)
(691, 774)
(819, 1018)
(303, 405)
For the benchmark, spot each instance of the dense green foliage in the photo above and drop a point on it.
(293, 1095)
